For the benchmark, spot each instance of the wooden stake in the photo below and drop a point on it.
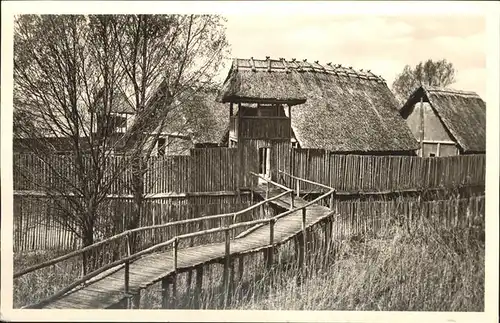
(240, 267)
(136, 300)
(164, 293)
(199, 284)
(188, 282)
(127, 277)
(270, 252)
(226, 267)
(300, 252)
(304, 239)
(174, 275)
(328, 235)
(231, 283)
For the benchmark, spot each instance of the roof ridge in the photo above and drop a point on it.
(448, 90)
(303, 66)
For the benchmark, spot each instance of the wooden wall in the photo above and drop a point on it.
(40, 222)
(353, 173)
(377, 218)
(434, 131)
(207, 182)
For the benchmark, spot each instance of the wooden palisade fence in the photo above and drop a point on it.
(205, 183)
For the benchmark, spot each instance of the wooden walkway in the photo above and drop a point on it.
(107, 290)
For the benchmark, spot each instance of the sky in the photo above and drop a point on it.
(383, 44)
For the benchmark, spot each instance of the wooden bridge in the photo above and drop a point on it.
(118, 283)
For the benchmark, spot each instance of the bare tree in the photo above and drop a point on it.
(166, 60)
(66, 76)
(434, 73)
(71, 73)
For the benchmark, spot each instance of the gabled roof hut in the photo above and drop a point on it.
(337, 108)
(462, 113)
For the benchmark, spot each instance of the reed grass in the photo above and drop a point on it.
(430, 268)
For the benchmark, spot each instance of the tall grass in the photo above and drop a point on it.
(436, 271)
(432, 267)
(37, 285)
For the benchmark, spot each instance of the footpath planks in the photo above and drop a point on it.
(109, 290)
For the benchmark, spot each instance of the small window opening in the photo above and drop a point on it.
(161, 146)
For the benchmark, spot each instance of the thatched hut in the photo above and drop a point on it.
(334, 108)
(195, 121)
(338, 108)
(446, 122)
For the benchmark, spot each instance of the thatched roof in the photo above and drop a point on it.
(462, 113)
(345, 110)
(199, 116)
(207, 119)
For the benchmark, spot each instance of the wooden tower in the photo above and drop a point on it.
(262, 134)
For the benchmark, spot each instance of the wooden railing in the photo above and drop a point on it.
(174, 242)
(297, 181)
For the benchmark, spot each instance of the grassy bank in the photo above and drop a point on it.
(425, 269)
(420, 273)
(429, 270)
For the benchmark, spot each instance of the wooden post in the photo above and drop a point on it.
(297, 183)
(328, 235)
(420, 208)
(136, 300)
(188, 282)
(332, 200)
(174, 275)
(292, 198)
(164, 293)
(199, 284)
(226, 267)
(240, 267)
(303, 220)
(270, 252)
(304, 238)
(127, 272)
(127, 276)
(267, 190)
(422, 126)
(127, 280)
(300, 246)
(457, 204)
(231, 282)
